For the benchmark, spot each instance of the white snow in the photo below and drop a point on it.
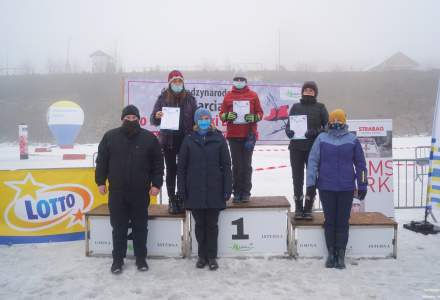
(61, 270)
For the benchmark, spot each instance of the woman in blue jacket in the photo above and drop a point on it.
(204, 180)
(336, 163)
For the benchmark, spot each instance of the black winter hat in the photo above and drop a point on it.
(130, 110)
(312, 85)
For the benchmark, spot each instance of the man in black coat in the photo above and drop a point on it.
(205, 183)
(317, 119)
(130, 158)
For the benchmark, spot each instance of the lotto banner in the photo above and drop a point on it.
(46, 205)
(275, 100)
(376, 139)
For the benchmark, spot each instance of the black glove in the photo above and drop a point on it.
(311, 191)
(362, 194)
(290, 133)
(311, 133)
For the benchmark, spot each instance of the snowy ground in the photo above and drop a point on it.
(61, 270)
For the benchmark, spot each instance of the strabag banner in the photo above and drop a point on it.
(376, 139)
(275, 100)
(46, 205)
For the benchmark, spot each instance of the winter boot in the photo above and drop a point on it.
(212, 264)
(116, 267)
(201, 262)
(308, 207)
(298, 207)
(331, 259)
(245, 198)
(340, 259)
(172, 205)
(179, 205)
(236, 199)
(141, 264)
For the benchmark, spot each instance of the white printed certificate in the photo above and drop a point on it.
(242, 108)
(299, 125)
(170, 118)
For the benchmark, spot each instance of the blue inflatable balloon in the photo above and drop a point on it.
(65, 119)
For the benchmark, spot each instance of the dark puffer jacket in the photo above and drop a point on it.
(188, 105)
(204, 174)
(317, 119)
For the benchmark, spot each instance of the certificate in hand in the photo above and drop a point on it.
(299, 125)
(242, 108)
(170, 118)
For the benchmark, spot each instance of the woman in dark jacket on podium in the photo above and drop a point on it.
(174, 96)
(204, 179)
(337, 168)
(299, 147)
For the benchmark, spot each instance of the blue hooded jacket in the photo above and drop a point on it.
(336, 162)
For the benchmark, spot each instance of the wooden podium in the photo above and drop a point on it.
(164, 233)
(371, 235)
(257, 228)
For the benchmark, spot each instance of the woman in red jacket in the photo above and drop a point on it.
(241, 110)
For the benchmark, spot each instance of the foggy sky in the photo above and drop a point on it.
(322, 33)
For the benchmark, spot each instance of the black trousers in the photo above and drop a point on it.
(298, 160)
(337, 207)
(170, 155)
(206, 229)
(241, 167)
(126, 207)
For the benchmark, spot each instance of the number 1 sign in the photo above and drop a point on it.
(250, 232)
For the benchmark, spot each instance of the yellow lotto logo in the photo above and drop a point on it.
(46, 205)
(38, 206)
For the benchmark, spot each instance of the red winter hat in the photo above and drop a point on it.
(174, 75)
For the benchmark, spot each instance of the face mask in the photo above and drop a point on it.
(336, 126)
(204, 124)
(131, 127)
(239, 84)
(308, 98)
(177, 88)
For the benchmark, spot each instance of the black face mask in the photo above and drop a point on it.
(131, 127)
(308, 98)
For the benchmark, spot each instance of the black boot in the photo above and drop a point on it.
(172, 205)
(308, 207)
(116, 267)
(245, 198)
(340, 259)
(141, 264)
(236, 199)
(298, 207)
(179, 205)
(201, 262)
(212, 264)
(331, 260)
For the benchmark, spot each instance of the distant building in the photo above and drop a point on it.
(397, 62)
(102, 62)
